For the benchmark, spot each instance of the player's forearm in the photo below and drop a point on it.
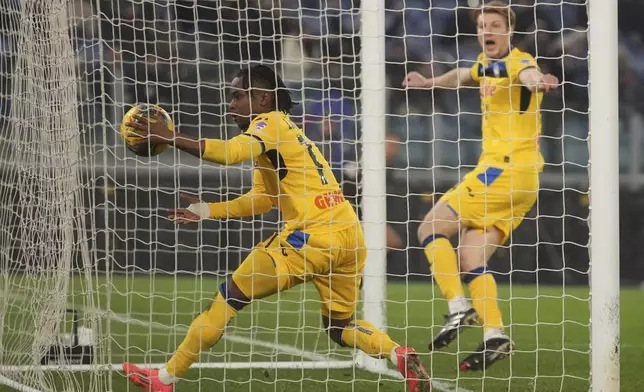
(189, 144)
(453, 79)
(249, 204)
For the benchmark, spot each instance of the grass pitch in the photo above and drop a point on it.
(149, 316)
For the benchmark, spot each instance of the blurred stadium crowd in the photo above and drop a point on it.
(180, 53)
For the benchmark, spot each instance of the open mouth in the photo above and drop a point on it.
(489, 42)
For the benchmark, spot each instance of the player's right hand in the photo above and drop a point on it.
(152, 132)
(548, 83)
(187, 215)
(416, 80)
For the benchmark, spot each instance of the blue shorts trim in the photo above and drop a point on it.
(297, 239)
(452, 209)
(490, 175)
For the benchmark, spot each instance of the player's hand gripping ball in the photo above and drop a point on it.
(137, 127)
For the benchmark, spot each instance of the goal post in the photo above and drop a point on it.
(374, 190)
(604, 196)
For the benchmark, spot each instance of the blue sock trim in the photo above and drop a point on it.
(473, 274)
(233, 302)
(336, 336)
(431, 239)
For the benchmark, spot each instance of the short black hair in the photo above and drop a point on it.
(261, 76)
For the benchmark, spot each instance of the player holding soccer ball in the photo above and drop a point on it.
(492, 200)
(322, 241)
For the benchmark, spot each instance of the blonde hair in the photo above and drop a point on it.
(499, 8)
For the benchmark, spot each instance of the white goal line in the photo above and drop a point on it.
(125, 319)
(198, 365)
(441, 386)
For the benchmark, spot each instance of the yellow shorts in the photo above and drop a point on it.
(491, 197)
(334, 261)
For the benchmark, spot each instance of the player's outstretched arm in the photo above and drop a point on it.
(255, 202)
(534, 80)
(226, 152)
(458, 77)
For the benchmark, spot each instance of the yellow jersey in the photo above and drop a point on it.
(290, 170)
(511, 112)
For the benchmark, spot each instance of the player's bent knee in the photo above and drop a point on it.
(441, 220)
(423, 232)
(428, 229)
(477, 247)
(233, 295)
(334, 329)
(471, 257)
(335, 334)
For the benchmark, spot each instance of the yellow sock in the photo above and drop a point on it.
(485, 298)
(364, 336)
(444, 266)
(204, 333)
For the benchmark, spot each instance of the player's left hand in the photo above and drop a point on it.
(190, 214)
(548, 83)
(153, 132)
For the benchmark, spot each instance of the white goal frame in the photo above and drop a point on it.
(604, 195)
(603, 183)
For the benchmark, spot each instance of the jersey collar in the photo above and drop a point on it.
(510, 49)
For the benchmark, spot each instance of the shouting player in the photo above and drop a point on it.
(492, 200)
(322, 240)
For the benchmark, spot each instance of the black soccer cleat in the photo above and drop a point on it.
(454, 323)
(487, 353)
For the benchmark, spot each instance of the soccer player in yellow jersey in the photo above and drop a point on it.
(322, 240)
(492, 200)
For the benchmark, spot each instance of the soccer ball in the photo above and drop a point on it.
(129, 135)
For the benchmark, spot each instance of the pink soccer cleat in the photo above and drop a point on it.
(410, 367)
(148, 379)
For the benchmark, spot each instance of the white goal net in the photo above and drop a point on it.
(94, 274)
(48, 271)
